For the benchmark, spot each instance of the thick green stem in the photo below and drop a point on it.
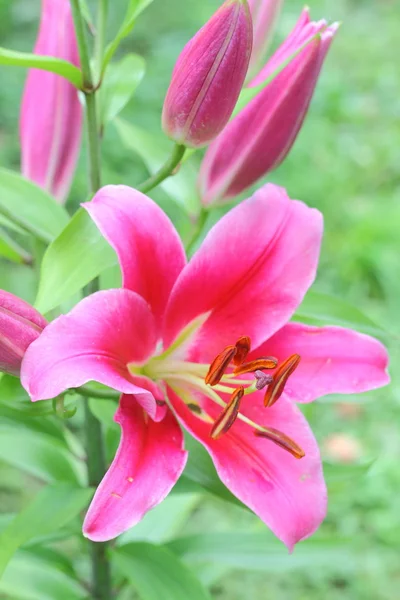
(100, 35)
(96, 468)
(165, 171)
(93, 143)
(89, 392)
(96, 463)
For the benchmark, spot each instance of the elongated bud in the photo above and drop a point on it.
(261, 135)
(51, 113)
(264, 14)
(208, 76)
(20, 325)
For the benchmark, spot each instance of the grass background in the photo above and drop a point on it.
(346, 163)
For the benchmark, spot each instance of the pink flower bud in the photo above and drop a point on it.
(208, 76)
(51, 113)
(20, 325)
(264, 14)
(261, 135)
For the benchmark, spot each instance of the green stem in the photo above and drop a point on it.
(96, 468)
(100, 35)
(96, 463)
(165, 171)
(83, 45)
(93, 143)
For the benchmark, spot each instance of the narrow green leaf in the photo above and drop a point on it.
(119, 85)
(135, 7)
(76, 256)
(11, 250)
(154, 150)
(51, 509)
(45, 63)
(30, 577)
(261, 551)
(38, 454)
(318, 308)
(30, 207)
(156, 573)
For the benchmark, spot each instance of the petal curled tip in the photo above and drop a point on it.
(228, 416)
(282, 440)
(243, 346)
(280, 378)
(265, 362)
(208, 77)
(219, 365)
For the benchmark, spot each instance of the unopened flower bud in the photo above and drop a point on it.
(20, 325)
(208, 76)
(51, 113)
(264, 14)
(260, 136)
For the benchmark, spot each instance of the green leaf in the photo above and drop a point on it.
(153, 150)
(11, 250)
(30, 577)
(30, 207)
(320, 309)
(135, 7)
(200, 470)
(119, 85)
(51, 509)
(261, 551)
(45, 63)
(38, 454)
(157, 573)
(76, 256)
(164, 521)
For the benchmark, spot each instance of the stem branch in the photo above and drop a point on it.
(165, 171)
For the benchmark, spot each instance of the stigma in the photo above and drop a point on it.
(218, 377)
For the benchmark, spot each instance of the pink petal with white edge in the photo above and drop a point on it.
(149, 461)
(95, 341)
(251, 272)
(149, 249)
(334, 360)
(288, 494)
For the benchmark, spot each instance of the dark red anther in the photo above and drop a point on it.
(219, 365)
(228, 416)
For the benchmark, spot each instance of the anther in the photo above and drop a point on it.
(219, 365)
(242, 349)
(266, 362)
(280, 378)
(282, 440)
(263, 379)
(228, 416)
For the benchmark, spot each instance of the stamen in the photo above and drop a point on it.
(280, 377)
(281, 440)
(266, 362)
(262, 379)
(228, 416)
(219, 365)
(242, 349)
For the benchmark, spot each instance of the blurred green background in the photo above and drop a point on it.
(346, 163)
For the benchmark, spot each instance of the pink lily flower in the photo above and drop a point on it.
(264, 14)
(20, 325)
(188, 340)
(260, 136)
(51, 113)
(208, 76)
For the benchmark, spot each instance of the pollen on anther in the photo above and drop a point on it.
(242, 346)
(228, 416)
(280, 378)
(219, 365)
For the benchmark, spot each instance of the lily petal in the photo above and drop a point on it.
(95, 341)
(149, 461)
(251, 272)
(334, 360)
(288, 494)
(149, 249)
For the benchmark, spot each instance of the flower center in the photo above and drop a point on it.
(225, 375)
